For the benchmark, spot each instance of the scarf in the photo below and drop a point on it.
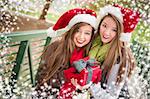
(76, 55)
(98, 50)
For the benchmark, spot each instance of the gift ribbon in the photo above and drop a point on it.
(81, 64)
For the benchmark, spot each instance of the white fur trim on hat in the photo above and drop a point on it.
(125, 37)
(53, 33)
(87, 18)
(110, 10)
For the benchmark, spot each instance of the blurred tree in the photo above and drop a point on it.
(141, 38)
(142, 32)
(45, 9)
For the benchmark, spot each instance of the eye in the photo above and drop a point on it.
(88, 33)
(114, 30)
(104, 25)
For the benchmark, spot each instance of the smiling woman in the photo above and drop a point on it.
(110, 48)
(108, 29)
(83, 36)
(78, 27)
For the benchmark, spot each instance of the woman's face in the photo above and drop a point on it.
(83, 36)
(108, 29)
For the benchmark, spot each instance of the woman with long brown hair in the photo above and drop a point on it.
(79, 26)
(111, 47)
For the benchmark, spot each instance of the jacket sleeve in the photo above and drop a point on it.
(68, 73)
(99, 93)
(57, 79)
(111, 91)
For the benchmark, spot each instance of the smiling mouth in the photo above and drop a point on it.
(105, 37)
(80, 42)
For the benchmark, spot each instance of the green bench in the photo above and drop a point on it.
(25, 49)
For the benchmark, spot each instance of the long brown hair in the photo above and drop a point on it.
(118, 53)
(56, 55)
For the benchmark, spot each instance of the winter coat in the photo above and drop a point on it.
(55, 81)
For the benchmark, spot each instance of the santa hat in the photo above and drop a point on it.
(70, 18)
(128, 17)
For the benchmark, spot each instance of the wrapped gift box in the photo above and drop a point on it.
(84, 77)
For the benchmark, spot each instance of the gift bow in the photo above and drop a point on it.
(82, 64)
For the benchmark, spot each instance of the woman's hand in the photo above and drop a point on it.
(75, 83)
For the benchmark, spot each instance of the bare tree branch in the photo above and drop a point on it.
(45, 9)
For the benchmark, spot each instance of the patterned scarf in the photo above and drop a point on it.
(99, 51)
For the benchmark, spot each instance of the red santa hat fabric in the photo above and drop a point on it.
(70, 18)
(127, 16)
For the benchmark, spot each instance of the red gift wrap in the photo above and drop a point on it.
(82, 69)
(82, 77)
(68, 88)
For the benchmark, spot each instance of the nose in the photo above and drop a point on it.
(81, 35)
(107, 32)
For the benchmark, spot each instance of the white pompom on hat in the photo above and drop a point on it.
(127, 16)
(70, 18)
